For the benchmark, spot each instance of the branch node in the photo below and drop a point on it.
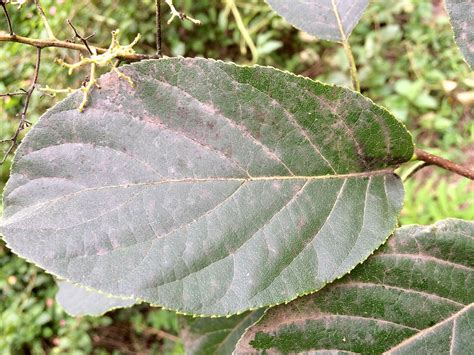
(81, 38)
(181, 15)
(107, 58)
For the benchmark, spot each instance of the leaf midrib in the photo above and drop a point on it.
(368, 174)
(242, 180)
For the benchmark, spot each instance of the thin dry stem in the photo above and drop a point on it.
(243, 30)
(23, 122)
(54, 43)
(53, 92)
(81, 38)
(16, 93)
(7, 15)
(181, 15)
(158, 27)
(45, 20)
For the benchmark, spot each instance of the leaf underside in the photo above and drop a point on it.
(208, 188)
(414, 296)
(461, 13)
(78, 301)
(215, 336)
(318, 17)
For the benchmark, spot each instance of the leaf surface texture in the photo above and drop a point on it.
(208, 188)
(414, 296)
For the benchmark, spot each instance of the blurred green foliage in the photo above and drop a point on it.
(407, 62)
(432, 198)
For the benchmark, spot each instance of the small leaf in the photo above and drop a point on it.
(78, 301)
(206, 336)
(414, 296)
(208, 187)
(462, 19)
(332, 20)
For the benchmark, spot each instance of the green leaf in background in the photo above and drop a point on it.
(77, 301)
(461, 13)
(414, 296)
(332, 20)
(208, 188)
(215, 336)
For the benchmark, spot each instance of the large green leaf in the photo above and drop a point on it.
(414, 296)
(215, 336)
(461, 13)
(332, 20)
(208, 188)
(78, 301)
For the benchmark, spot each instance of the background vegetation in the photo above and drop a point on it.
(407, 61)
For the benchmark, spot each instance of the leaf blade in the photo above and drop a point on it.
(188, 161)
(77, 301)
(460, 14)
(386, 305)
(318, 17)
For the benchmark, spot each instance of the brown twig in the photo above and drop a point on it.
(48, 43)
(431, 159)
(158, 28)
(16, 93)
(23, 122)
(81, 38)
(162, 334)
(7, 15)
